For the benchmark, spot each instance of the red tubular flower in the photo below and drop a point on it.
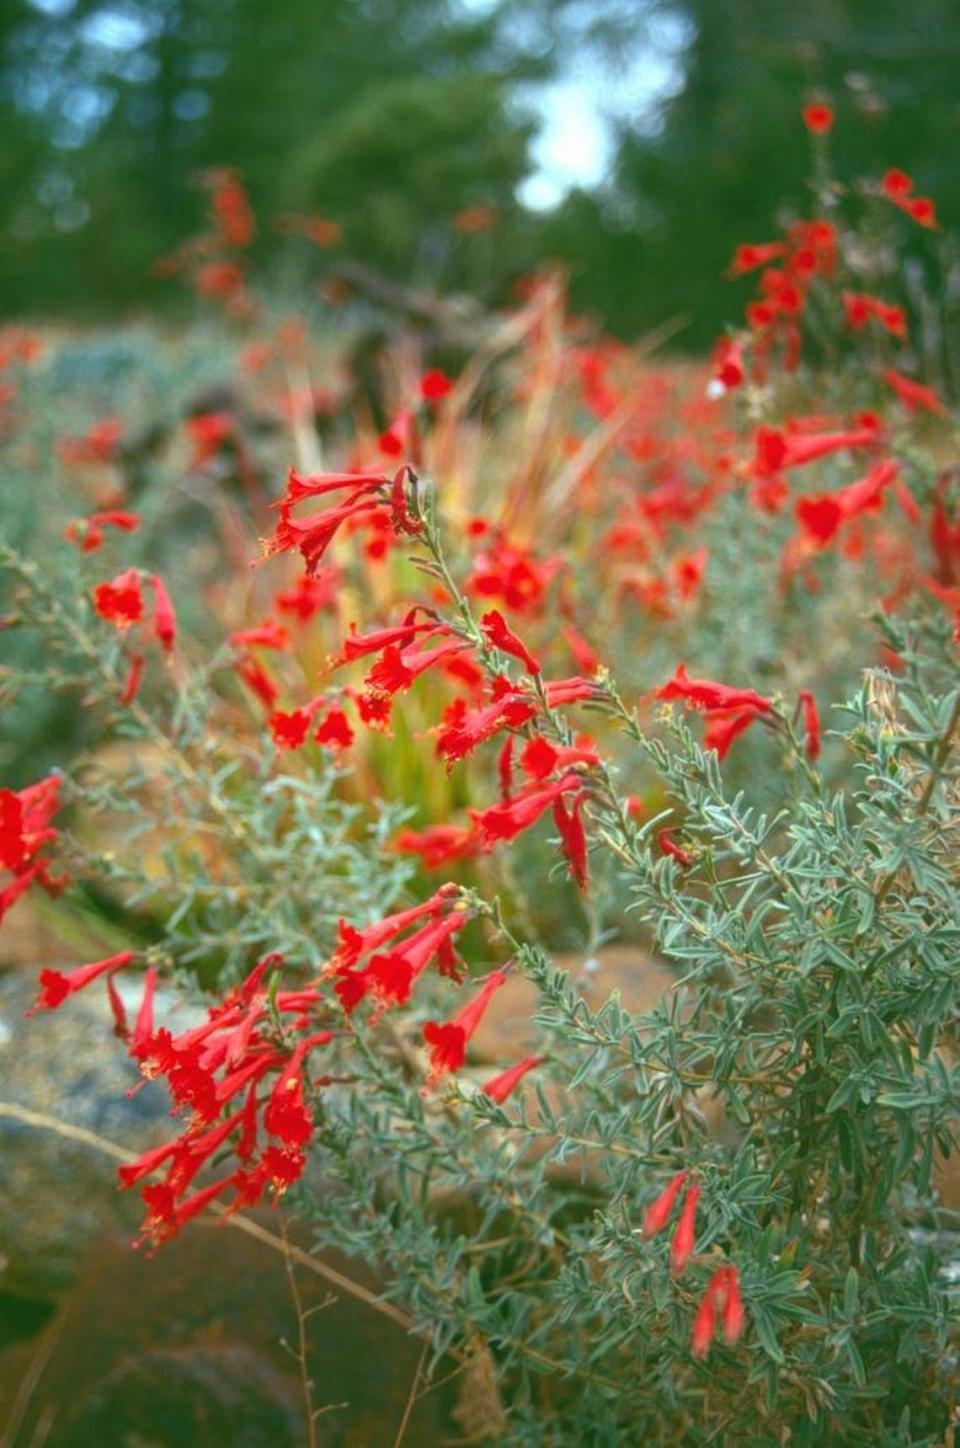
(732, 1318)
(498, 1088)
(438, 844)
(289, 730)
(681, 1248)
(573, 838)
(464, 729)
(313, 535)
(818, 118)
(131, 685)
(55, 986)
(705, 694)
(269, 635)
(506, 821)
(897, 184)
(777, 450)
(912, 394)
(357, 646)
(704, 1323)
(724, 725)
(811, 723)
(354, 944)
(256, 677)
(120, 602)
(164, 618)
(669, 847)
(751, 255)
(584, 655)
(87, 532)
(658, 1213)
(334, 730)
(435, 386)
(448, 1042)
(499, 633)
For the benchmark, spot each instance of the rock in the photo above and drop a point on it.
(56, 1194)
(186, 1398)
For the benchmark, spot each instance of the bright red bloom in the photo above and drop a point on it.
(309, 596)
(435, 386)
(777, 450)
(55, 986)
(87, 532)
(164, 618)
(912, 394)
(289, 730)
(448, 1042)
(256, 677)
(573, 837)
(208, 431)
(120, 601)
(705, 694)
(498, 1088)
(861, 308)
(269, 635)
(724, 725)
(334, 730)
(704, 1323)
(681, 1248)
(923, 211)
(897, 184)
(811, 723)
(499, 633)
(670, 847)
(818, 118)
(131, 686)
(464, 729)
(658, 1213)
(751, 255)
(507, 820)
(313, 535)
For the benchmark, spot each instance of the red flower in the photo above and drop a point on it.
(670, 847)
(256, 677)
(131, 685)
(498, 1088)
(164, 618)
(55, 986)
(681, 1248)
(912, 394)
(87, 532)
(897, 184)
(751, 255)
(334, 730)
(269, 635)
(435, 386)
(438, 844)
(448, 1042)
(811, 723)
(705, 694)
(506, 821)
(501, 636)
(658, 1213)
(573, 838)
(313, 535)
(818, 118)
(704, 1323)
(120, 601)
(723, 1289)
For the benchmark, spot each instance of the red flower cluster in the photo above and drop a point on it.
(25, 833)
(366, 496)
(121, 603)
(723, 1289)
(897, 187)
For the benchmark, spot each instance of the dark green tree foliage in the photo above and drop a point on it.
(389, 114)
(731, 146)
